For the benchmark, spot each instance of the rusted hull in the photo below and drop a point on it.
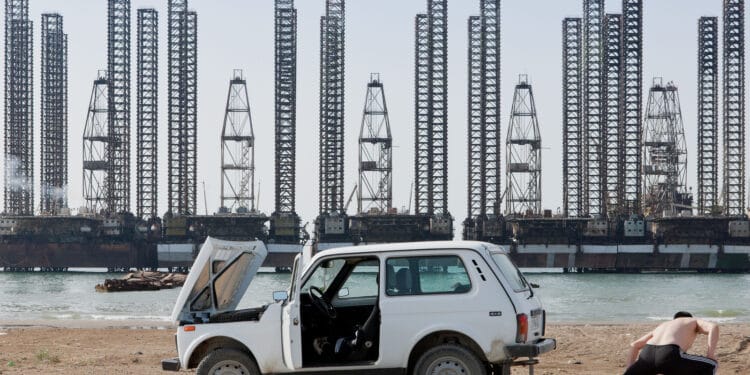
(624, 262)
(69, 255)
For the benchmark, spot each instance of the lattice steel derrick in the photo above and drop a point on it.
(191, 124)
(572, 118)
(286, 105)
(238, 149)
(147, 113)
(332, 108)
(375, 192)
(614, 177)
(96, 147)
(118, 66)
(19, 104)
(524, 154)
(593, 106)
(54, 115)
(734, 107)
(664, 153)
(632, 97)
(422, 147)
(708, 115)
(475, 197)
(438, 93)
(177, 107)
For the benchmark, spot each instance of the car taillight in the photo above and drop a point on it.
(522, 328)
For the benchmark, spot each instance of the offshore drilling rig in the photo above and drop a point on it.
(626, 203)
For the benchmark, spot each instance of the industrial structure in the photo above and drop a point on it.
(118, 68)
(332, 222)
(708, 202)
(484, 185)
(664, 154)
(19, 109)
(734, 107)
(96, 147)
(53, 162)
(285, 223)
(237, 150)
(626, 206)
(182, 107)
(375, 188)
(524, 155)
(147, 81)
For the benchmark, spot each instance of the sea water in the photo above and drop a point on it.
(567, 298)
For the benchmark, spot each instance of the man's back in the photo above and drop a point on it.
(681, 332)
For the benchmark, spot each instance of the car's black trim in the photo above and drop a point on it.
(533, 349)
(172, 364)
(385, 371)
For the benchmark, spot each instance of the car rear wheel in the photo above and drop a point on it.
(227, 362)
(449, 359)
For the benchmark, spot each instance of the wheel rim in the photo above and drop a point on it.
(447, 366)
(229, 368)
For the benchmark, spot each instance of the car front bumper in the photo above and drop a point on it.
(533, 349)
(172, 364)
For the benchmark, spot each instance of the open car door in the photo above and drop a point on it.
(291, 320)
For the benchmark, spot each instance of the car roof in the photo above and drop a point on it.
(407, 246)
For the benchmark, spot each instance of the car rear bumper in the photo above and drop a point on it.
(533, 349)
(172, 364)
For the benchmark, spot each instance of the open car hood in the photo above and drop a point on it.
(219, 277)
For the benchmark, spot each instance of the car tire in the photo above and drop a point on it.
(222, 361)
(449, 359)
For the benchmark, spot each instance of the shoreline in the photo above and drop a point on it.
(137, 347)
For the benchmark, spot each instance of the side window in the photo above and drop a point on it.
(362, 282)
(426, 275)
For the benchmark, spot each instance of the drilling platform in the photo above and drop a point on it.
(627, 206)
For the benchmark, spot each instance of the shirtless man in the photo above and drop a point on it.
(663, 350)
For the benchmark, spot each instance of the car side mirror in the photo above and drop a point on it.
(280, 296)
(343, 292)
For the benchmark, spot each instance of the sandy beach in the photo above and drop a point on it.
(137, 347)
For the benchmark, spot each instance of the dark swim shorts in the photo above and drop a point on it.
(670, 360)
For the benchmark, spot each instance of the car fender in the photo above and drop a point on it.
(490, 348)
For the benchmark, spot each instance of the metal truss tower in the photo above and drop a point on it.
(664, 153)
(54, 115)
(484, 196)
(708, 115)
(96, 147)
(593, 106)
(19, 109)
(238, 150)
(182, 95)
(524, 154)
(734, 107)
(147, 113)
(332, 64)
(632, 102)
(118, 67)
(286, 105)
(431, 166)
(572, 118)
(375, 192)
(191, 125)
(614, 177)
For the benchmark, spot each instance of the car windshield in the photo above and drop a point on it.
(324, 275)
(510, 271)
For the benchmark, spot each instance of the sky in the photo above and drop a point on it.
(238, 34)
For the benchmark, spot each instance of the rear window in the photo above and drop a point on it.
(410, 276)
(510, 272)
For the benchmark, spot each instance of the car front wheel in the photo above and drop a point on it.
(227, 362)
(449, 359)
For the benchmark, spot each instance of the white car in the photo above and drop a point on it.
(406, 308)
